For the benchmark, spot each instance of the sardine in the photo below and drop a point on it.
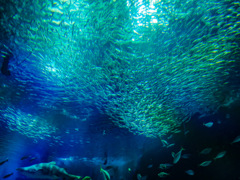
(205, 163)
(177, 156)
(220, 155)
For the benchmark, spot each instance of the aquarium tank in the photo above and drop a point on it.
(120, 89)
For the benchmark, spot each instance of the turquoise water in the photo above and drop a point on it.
(95, 82)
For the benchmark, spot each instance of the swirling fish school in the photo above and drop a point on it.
(149, 66)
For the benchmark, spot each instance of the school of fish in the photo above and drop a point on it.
(149, 65)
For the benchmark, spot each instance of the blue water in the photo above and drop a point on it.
(124, 86)
(118, 150)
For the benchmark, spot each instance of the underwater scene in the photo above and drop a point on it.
(120, 89)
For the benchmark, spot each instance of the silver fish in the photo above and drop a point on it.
(163, 174)
(237, 139)
(220, 155)
(209, 124)
(186, 156)
(165, 166)
(205, 163)
(190, 172)
(140, 177)
(177, 156)
(206, 151)
(106, 175)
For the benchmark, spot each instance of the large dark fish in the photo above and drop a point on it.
(46, 171)
(106, 156)
(5, 63)
(1, 163)
(24, 157)
(32, 159)
(7, 176)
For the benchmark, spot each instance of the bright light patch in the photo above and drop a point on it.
(128, 4)
(154, 21)
(142, 10)
(146, 10)
(51, 68)
(150, 11)
(65, 1)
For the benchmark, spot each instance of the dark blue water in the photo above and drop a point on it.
(119, 150)
(120, 85)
